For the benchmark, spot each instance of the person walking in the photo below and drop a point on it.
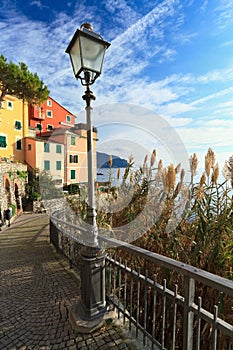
(8, 214)
(1, 219)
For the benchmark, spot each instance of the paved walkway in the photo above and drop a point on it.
(36, 291)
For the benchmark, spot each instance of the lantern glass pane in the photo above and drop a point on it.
(75, 57)
(92, 54)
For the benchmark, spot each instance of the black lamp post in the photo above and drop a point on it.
(87, 50)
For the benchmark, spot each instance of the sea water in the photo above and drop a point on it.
(107, 174)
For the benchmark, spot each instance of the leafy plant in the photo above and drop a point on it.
(22, 174)
(13, 206)
(41, 185)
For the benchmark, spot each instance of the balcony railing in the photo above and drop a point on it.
(160, 300)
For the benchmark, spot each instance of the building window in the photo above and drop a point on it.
(3, 142)
(29, 147)
(39, 127)
(18, 125)
(46, 165)
(46, 147)
(58, 165)
(73, 159)
(49, 114)
(73, 140)
(58, 148)
(72, 174)
(49, 127)
(68, 118)
(10, 105)
(19, 145)
(49, 103)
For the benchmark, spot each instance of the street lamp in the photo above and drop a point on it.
(87, 50)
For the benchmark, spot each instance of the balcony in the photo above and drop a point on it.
(161, 301)
(36, 112)
(39, 116)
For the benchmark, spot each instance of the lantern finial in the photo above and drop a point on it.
(88, 26)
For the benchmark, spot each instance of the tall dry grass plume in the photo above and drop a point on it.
(171, 177)
(215, 174)
(209, 161)
(228, 170)
(203, 180)
(177, 168)
(118, 174)
(193, 165)
(153, 157)
(110, 161)
(160, 165)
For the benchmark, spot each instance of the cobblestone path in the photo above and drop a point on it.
(36, 291)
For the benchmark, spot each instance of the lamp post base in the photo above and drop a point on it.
(83, 325)
(90, 312)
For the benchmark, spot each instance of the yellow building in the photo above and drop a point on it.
(13, 129)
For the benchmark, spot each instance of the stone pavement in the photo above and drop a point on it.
(37, 289)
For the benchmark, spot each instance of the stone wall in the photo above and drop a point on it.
(48, 205)
(13, 178)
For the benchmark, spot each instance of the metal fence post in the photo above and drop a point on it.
(189, 293)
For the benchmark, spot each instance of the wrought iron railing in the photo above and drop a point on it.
(161, 300)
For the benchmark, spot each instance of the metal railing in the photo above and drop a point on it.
(162, 313)
(161, 300)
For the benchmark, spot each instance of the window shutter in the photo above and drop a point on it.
(18, 125)
(3, 141)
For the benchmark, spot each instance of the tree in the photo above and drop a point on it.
(18, 81)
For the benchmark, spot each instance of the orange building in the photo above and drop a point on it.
(49, 116)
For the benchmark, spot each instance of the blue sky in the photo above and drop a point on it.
(174, 58)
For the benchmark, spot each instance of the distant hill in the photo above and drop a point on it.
(117, 162)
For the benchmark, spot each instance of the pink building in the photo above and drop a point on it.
(74, 141)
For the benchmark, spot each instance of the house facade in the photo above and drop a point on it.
(49, 116)
(47, 156)
(75, 152)
(13, 129)
(58, 146)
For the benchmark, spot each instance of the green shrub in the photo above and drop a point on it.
(13, 207)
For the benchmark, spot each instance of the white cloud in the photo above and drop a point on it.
(42, 48)
(175, 108)
(225, 104)
(203, 7)
(227, 43)
(38, 4)
(181, 98)
(224, 13)
(136, 39)
(217, 75)
(213, 96)
(217, 123)
(217, 135)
